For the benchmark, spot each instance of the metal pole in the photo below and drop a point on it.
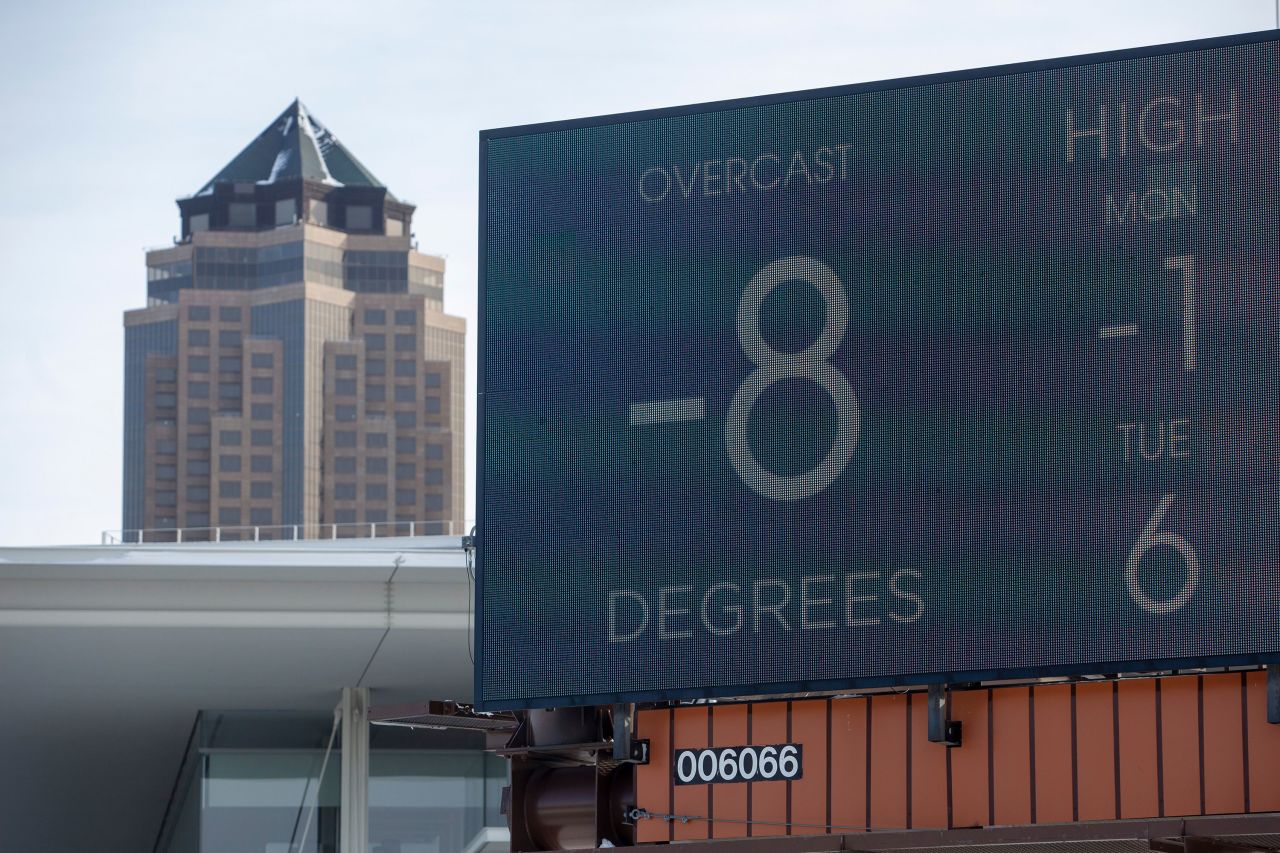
(353, 815)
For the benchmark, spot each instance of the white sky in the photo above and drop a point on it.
(110, 111)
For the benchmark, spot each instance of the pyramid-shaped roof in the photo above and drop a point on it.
(294, 146)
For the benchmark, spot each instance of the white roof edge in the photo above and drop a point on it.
(343, 558)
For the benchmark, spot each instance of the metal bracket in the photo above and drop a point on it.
(625, 746)
(942, 729)
(1273, 693)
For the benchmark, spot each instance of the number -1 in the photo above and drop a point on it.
(1187, 263)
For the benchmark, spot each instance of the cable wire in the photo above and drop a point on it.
(397, 562)
(645, 814)
(324, 764)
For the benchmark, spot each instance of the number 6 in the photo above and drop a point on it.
(1152, 537)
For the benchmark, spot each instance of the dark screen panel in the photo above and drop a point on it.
(971, 375)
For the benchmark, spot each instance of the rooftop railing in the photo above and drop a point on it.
(286, 532)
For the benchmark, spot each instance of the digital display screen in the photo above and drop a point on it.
(957, 377)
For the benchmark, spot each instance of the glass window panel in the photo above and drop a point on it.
(286, 211)
(261, 385)
(198, 312)
(261, 437)
(262, 411)
(344, 362)
(344, 438)
(198, 337)
(242, 215)
(406, 343)
(375, 317)
(260, 464)
(262, 360)
(375, 440)
(229, 488)
(406, 317)
(229, 462)
(260, 489)
(376, 465)
(229, 313)
(229, 438)
(359, 217)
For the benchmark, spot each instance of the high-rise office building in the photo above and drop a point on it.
(294, 372)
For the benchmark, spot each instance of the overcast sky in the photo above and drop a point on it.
(110, 111)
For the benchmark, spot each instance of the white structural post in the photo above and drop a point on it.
(354, 814)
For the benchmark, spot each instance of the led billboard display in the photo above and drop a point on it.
(962, 376)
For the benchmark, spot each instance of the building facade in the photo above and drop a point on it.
(293, 373)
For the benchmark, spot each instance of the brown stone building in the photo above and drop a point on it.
(294, 372)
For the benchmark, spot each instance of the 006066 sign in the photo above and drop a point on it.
(739, 764)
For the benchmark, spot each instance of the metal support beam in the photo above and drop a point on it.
(354, 813)
(942, 729)
(625, 745)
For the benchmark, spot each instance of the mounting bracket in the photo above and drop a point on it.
(942, 729)
(1273, 693)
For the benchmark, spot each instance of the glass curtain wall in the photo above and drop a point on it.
(260, 782)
